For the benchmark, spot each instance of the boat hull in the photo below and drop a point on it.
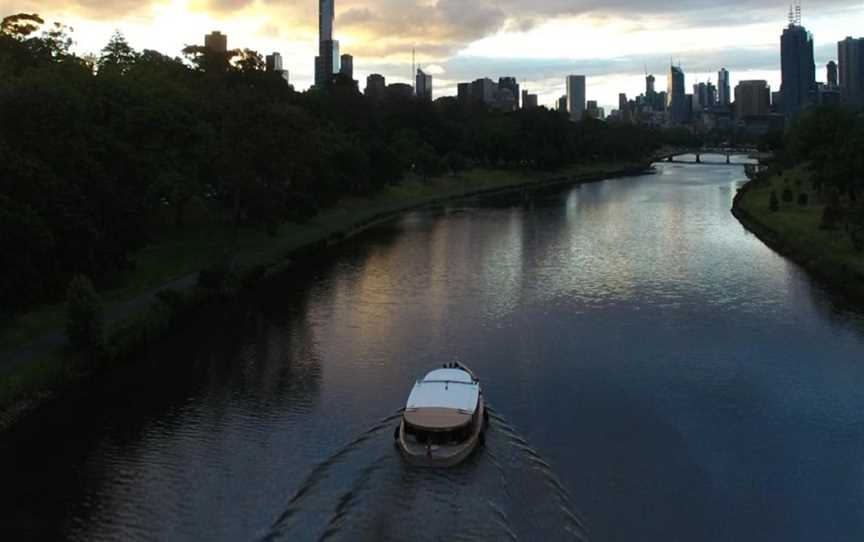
(420, 455)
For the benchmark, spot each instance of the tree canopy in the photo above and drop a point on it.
(98, 157)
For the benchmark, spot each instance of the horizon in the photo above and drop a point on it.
(485, 42)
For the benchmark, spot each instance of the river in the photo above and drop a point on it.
(654, 371)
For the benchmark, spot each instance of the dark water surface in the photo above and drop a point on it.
(655, 373)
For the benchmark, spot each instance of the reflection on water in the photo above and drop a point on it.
(670, 377)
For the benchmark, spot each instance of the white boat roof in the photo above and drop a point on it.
(452, 389)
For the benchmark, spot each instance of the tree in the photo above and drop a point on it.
(117, 56)
(84, 324)
(21, 25)
(773, 202)
(248, 61)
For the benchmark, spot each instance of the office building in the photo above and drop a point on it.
(676, 98)
(375, 87)
(624, 112)
(510, 84)
(529, 101)
(576, 96)
(423, 85)
(798, 68)
(483, 90)
(327, 63)
(273, 64)
(463, 92)
(724, 90)
(346, 66)
(851, 71)
(593, 111)
(217, 42)
(752, 98)
(831, 74)
(562, 104)
(649, 85)
(399, 91)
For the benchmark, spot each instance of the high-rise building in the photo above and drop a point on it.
(576, 96)
(851, 71)
(592, 110)
(510, 84)
(724, 91)
(274, 62)
(375, 87)
(831, 74)
(529, 101)
(676, 98)
(424, 85)
(274, 65)
(798, 68)
(346, 66)
(649, 85)
(327, 63)
(752, 98)
(624, 108)
(483, 90)
(217, 42)
(562, 104)
(463, 92)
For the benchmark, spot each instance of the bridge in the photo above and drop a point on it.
(669, 154)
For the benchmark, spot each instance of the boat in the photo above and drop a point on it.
(444, 419)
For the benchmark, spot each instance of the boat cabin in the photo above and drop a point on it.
(442, 408)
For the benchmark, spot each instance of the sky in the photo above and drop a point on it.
(540, 42)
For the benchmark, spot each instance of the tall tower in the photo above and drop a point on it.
(851, 70)
(576, 96)
(327, 63)
(724, 91)
(676, 95)
(798, 87)
(217, 42)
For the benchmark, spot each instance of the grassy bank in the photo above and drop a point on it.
(794, 231)
(256, 253)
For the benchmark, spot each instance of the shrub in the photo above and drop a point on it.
(831, 217)
(774, 203)
(84, 320)
(803, 199)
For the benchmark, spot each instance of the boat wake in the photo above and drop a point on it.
(365, 491)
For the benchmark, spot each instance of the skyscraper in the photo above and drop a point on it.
(623, 107)
(752, 98)
(217, 42)
(346, 66)
(424, 85)
(576, 96)
(274, 65)
(724, 91)
(510, 84)
(831, 73)
(649, 85)
(798, 77)
(851, 68)
(327, 63)
(375, 87)
(676, 97)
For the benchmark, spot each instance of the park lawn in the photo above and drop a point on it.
(798, 227)
(186, 253)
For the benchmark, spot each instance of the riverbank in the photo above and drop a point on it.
(794, 231)
(164, 287)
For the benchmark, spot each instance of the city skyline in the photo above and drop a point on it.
(616, 63)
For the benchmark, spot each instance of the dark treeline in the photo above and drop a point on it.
(828, 142)
(98, 155)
